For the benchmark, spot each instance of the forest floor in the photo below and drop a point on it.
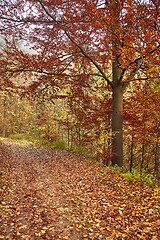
(55, 194)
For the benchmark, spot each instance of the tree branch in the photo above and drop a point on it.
(77, 45)
(88, 57)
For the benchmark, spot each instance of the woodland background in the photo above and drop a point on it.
(70, 123)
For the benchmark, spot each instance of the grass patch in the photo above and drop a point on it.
(128, 176)
(149, 179)
(135, 175)
(21, 138)
(17, 136)
(55, 145)
(80, 150)
(59, 144)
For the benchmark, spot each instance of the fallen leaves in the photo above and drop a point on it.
(53, 194)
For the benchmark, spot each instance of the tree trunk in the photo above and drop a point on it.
(117, 109)
(4, 127)
(131, 155)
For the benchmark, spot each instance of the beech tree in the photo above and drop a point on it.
(116, 40)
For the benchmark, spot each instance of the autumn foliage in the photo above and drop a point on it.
(80, 78)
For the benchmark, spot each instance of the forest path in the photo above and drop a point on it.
(55, 194)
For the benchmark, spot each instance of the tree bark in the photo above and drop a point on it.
(117, 119)
(4, 127)
(131, 154)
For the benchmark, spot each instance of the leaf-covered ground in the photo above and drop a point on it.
(54, 194)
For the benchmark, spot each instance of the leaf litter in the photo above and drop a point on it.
(55, 194)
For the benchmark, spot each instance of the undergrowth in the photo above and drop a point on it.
(136, 175)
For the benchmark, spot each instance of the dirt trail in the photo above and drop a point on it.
(54, 194)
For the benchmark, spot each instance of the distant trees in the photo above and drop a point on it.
(141, 118)
(83, 121)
